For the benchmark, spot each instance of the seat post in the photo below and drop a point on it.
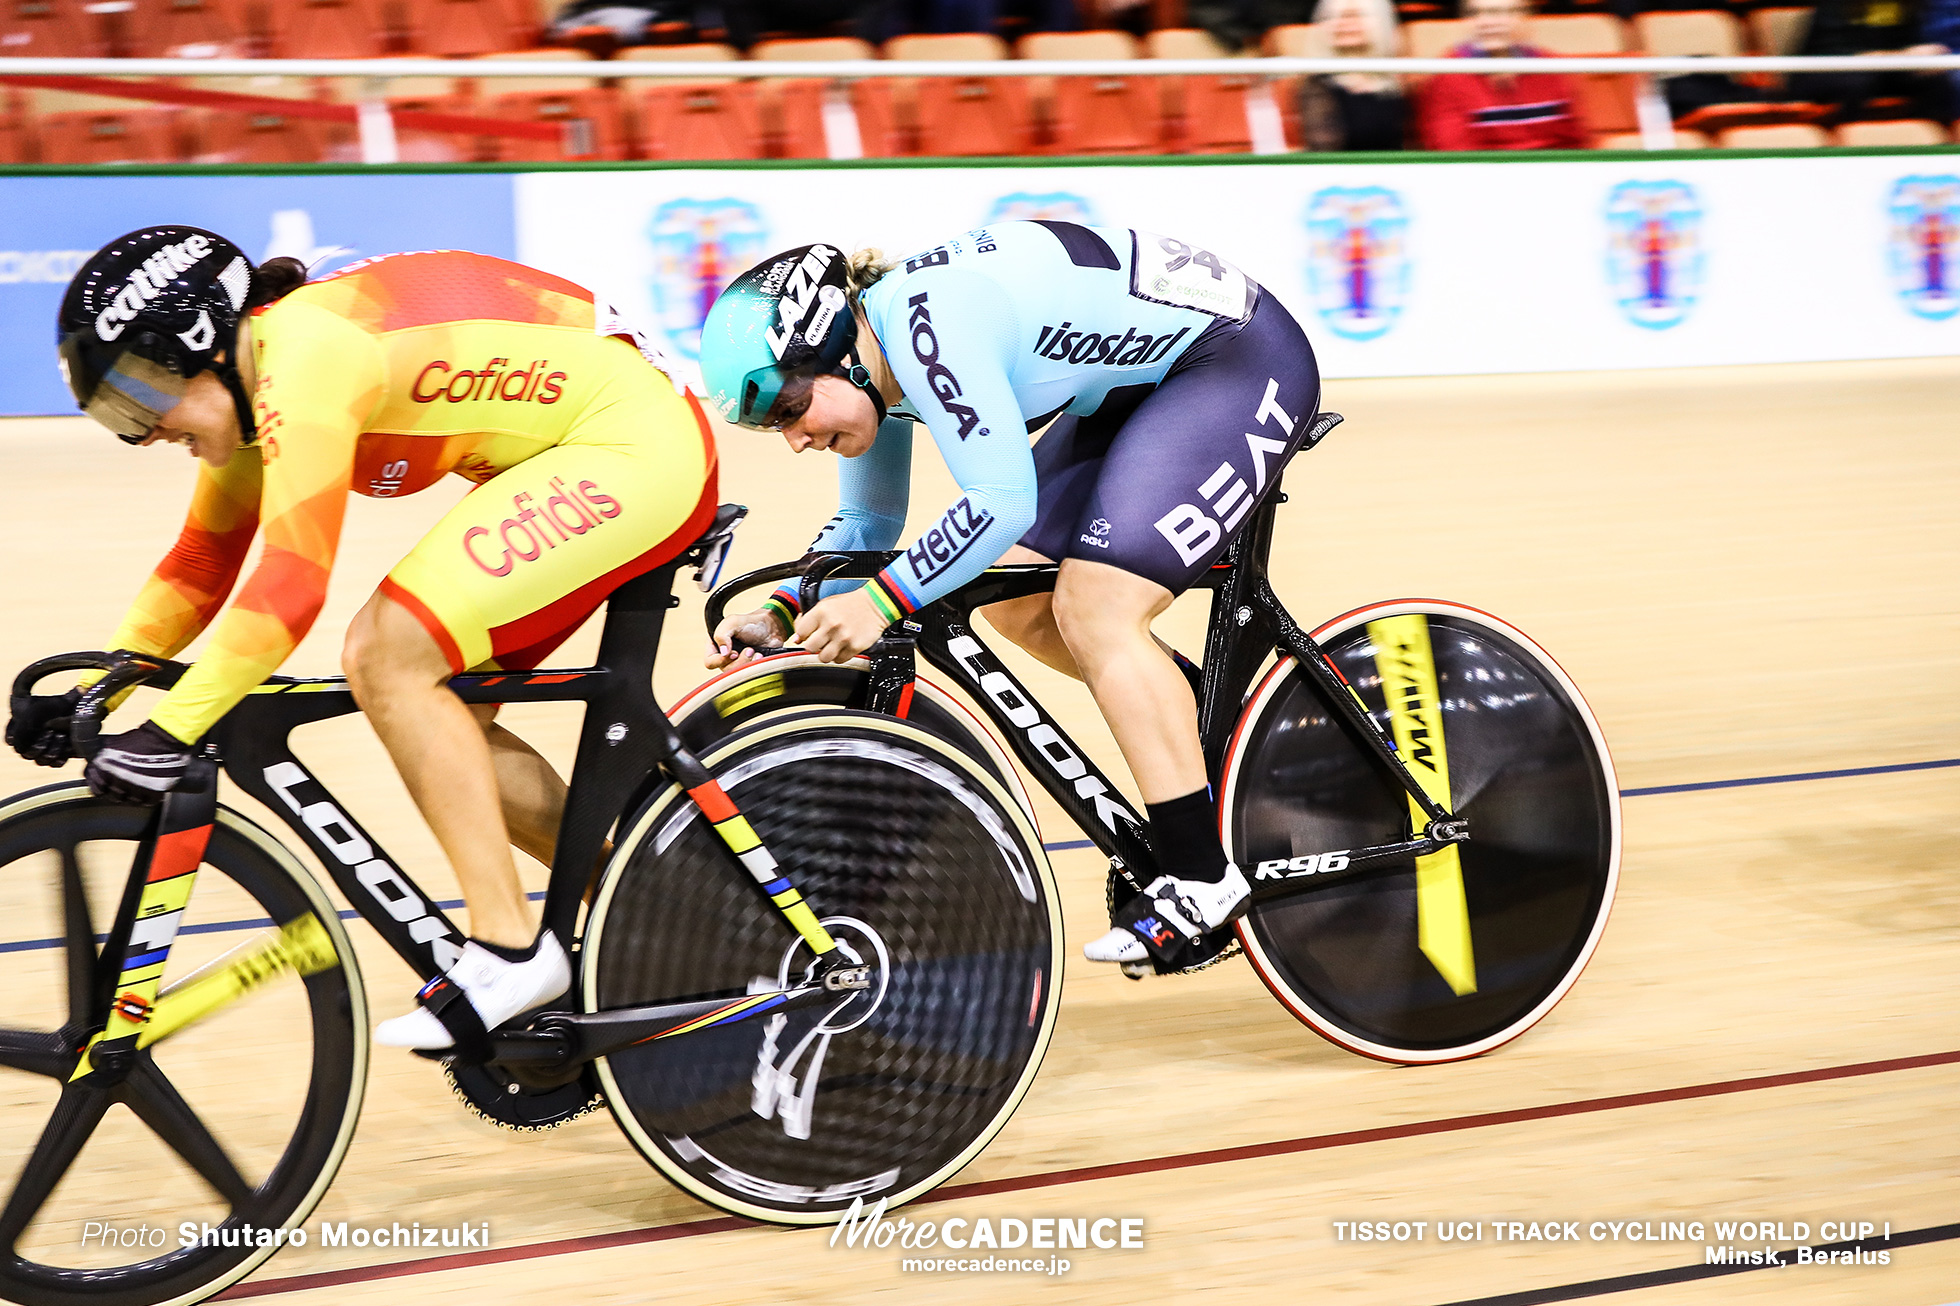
(617, 746)
(1240, 633)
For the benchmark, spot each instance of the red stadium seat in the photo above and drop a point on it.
(595, 126)
(49, 29)
(1202, 115)
(1689, 32)
(1102, 114)
(1207, 115)
(1779, 29)
(964, 117)
(453, 28)
(333, 29)
(16, 132)
(887, 128)
(960, 117)
(946, 45)
(224, 136)
(699, 120)
(1779, 136)
(1578, 34)
(1607, 101)
(792, 118)
(1105, 115)
(126, 136)
(1898, 131)
(825, 48)
(185, 29)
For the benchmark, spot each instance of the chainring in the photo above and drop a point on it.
(492, 1095)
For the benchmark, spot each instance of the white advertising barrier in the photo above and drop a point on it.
(1395, 269)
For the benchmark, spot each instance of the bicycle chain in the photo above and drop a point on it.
(471, 1104)
(1137, 970)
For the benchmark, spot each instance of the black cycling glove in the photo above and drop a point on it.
(38, 728)
(138, 766)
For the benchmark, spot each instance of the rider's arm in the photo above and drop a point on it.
(313, 404)
(190, 584)
(873, 491)
(950, 341)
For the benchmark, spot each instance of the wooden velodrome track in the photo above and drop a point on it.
(1751, 573)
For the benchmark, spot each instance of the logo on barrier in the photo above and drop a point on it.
(699, 246)
(1357, 259)
(1925, 245)
(1051, 206)
(1654, 251)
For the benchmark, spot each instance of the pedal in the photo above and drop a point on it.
(848, 979)
(1220, 945)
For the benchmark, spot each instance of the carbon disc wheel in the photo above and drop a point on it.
(1528, 768)
(924, 870)
(232, 1126)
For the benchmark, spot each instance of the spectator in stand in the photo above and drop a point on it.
(1241, 24)
(1356, 111)
(1873, 27)
(1527, 111)
(1939, 29)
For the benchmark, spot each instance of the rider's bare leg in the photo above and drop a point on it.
(530, 790)
(1102, 615)
(400, 679)
(1030, 622)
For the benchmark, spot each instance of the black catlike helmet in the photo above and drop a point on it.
(148, 312)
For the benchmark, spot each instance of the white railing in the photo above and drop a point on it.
(840, 128)
(855, 69)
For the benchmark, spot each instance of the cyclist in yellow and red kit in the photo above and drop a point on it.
(593, 467)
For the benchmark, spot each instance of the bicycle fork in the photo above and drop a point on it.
(154, 901)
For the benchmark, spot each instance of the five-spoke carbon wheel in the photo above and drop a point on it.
(1528, 769)
(925, 870)
(229, 1126)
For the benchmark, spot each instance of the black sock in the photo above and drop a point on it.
(510, 954)
(1184, 834)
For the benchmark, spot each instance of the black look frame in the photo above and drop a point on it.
(1247, 623)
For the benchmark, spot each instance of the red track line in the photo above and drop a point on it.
(1117, 1170)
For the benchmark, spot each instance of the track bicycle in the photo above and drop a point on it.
(821, 962)
(1419, 796)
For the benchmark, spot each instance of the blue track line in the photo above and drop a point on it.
(1071, 845)
(1789, 779)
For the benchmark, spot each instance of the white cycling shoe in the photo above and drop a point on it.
(1172, 914)
(497, 989)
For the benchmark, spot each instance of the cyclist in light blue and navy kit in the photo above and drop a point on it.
(1172, 388)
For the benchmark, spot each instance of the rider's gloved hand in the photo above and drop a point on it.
(745, 637)
(38, 728)
(138, 766)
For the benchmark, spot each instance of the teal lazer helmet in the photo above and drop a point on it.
(784, 322)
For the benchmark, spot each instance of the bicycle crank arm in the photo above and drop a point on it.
(564, 1037)
(1286, 877)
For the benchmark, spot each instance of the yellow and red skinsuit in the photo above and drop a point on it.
(382, 378)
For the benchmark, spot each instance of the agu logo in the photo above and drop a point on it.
(1053, 206)
(1357, 259)
(1654, 251)
(699, 246)
(1925, 245)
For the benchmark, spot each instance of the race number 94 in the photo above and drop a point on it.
(1168, 271)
